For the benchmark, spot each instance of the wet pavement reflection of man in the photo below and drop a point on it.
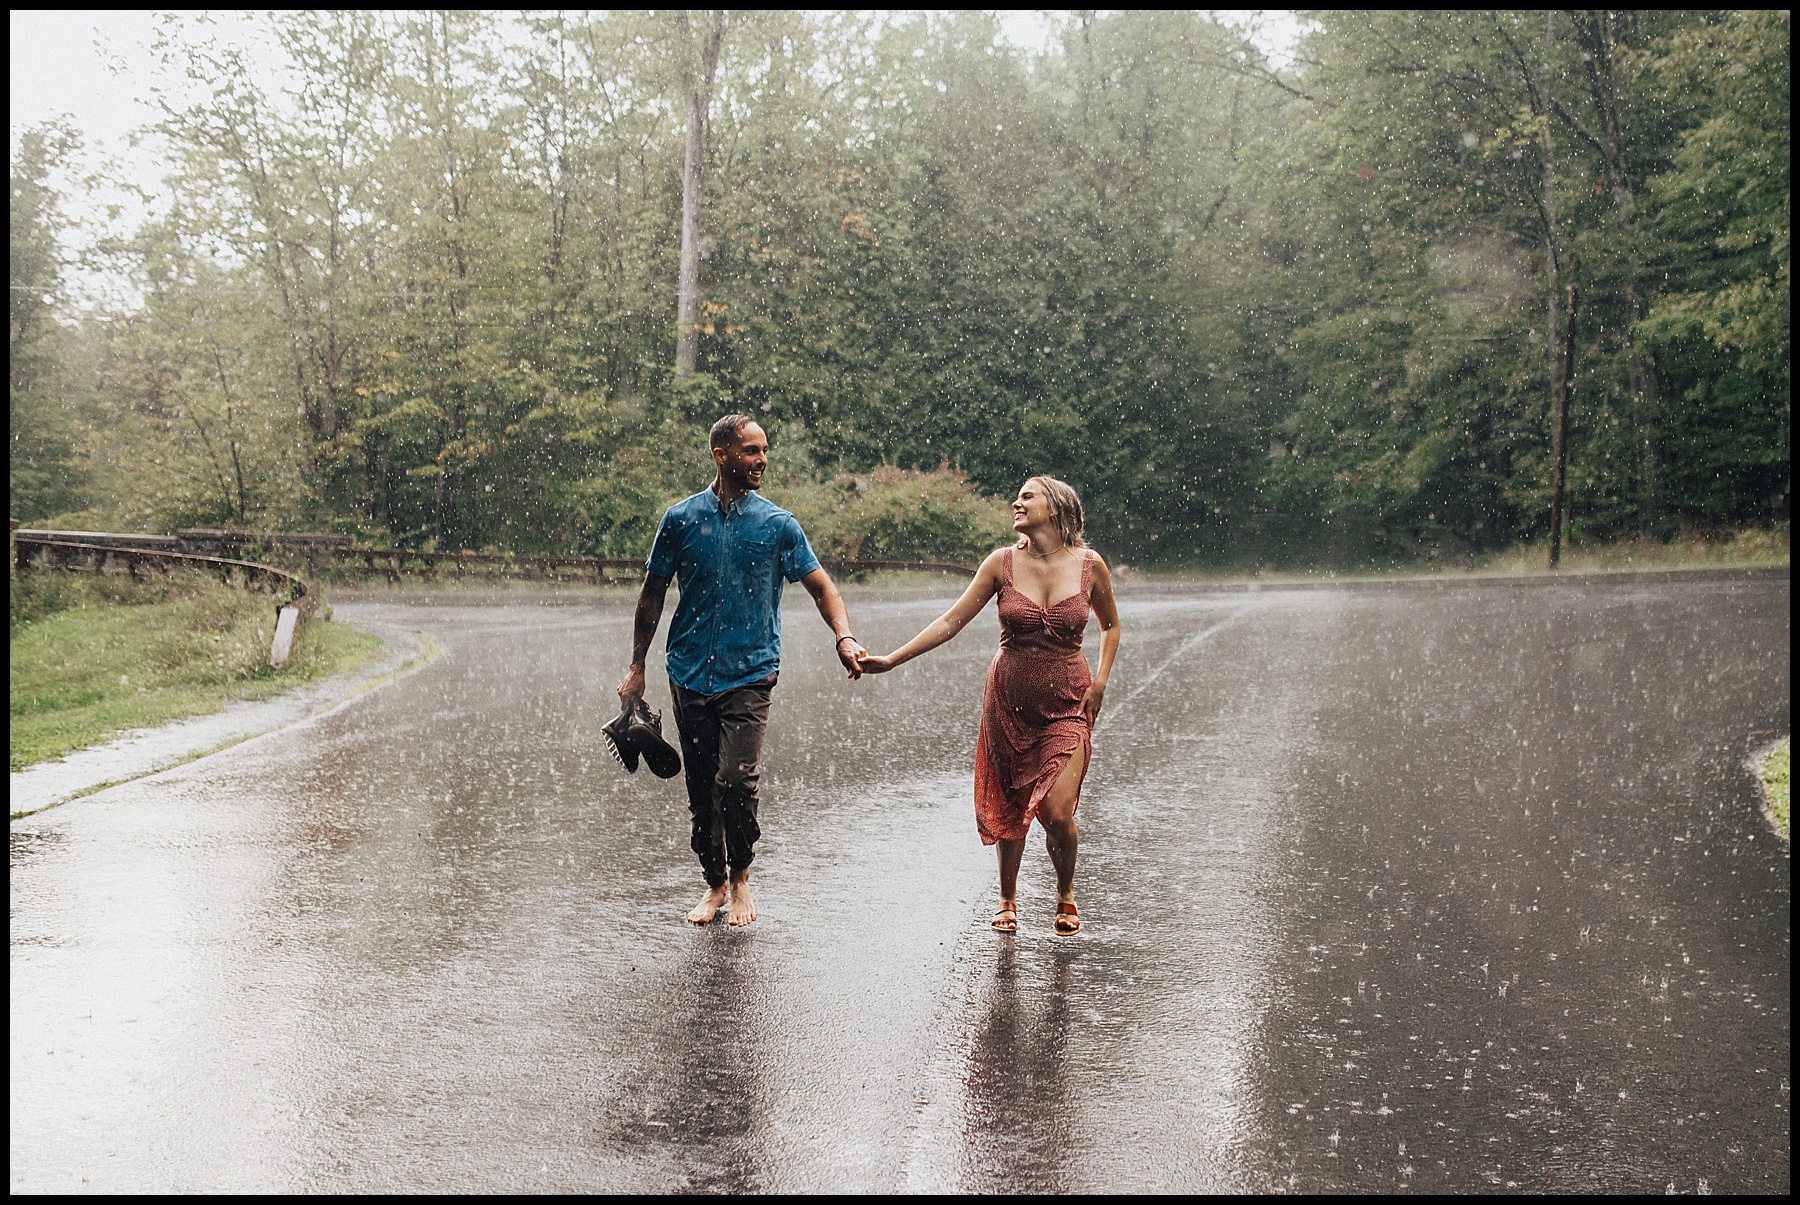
(697, 1110)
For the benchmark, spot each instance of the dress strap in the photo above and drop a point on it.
(1006, 566)
(1087, 568)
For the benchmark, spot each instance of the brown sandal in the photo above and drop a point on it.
(1068, 920)
(1005, 921)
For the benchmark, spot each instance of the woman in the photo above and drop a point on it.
(1037, 714)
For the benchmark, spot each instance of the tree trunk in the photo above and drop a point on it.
(1597, 32)
(237, 466)
(1559, 435)
(440, 519)
(696, 98)
(1640, 375)
(1556, 349)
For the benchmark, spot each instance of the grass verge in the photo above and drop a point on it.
(92, 657)
(1772, 768)
(1748, 548)
(1688, 550)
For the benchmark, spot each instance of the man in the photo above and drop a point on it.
(733, 552)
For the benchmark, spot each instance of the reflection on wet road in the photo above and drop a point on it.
(1456, 888)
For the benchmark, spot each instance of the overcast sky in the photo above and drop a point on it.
(95, 66)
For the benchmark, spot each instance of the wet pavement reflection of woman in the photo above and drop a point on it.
(1024, 1131)
(1038, 711)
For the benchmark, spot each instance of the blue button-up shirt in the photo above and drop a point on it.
(732, 566)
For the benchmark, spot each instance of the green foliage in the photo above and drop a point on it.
(43, 477)
(1689, 548)
(1300, 316)
(1722, 332)
(92, 656)
(1773, 770)
(1460, 168)
(890, 514)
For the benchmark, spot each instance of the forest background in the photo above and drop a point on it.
(421, 288)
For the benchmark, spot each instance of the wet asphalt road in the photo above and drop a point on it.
(1424, 888)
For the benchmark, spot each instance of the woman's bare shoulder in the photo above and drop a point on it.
(992, 567)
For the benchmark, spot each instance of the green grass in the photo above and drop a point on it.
(92, 657)
(1689, 550)
(1730, 549)
(1773, 767)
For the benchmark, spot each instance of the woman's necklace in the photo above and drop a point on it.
(1044, 556)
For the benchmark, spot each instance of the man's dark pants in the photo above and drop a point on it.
(721, 753)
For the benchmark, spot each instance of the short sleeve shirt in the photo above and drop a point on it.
(731, 567)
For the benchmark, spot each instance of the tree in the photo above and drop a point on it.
(44, 471)
(415, 287)
(1720, 329)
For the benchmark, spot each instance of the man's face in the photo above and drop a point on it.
(742, 465)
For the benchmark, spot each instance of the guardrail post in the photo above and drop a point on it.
(285, 622)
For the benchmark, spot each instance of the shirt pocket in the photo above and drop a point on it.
(758, 560)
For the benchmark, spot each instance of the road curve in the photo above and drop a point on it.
(1447, 889)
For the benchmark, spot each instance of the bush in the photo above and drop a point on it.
(44, 591)
(891, 514)
(1773, 768)
(41, 593)
(217, 631)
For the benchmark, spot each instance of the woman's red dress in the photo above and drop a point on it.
(1031, 718)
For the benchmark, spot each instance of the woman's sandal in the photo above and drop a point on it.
(1068, 920)
(1005, 921)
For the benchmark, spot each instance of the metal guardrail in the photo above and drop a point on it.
(219, 542)
(105, 539)
(393, 559)
(919, 566)
(222, 541)
(297, 597)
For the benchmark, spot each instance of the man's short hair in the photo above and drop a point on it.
(728, 430)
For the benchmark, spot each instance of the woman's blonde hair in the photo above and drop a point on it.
(1065, 509)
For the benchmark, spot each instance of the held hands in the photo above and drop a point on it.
(851, 655)
(873, 664)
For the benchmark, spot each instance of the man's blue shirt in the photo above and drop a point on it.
(731, 566)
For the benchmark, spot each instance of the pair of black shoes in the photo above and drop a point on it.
(637, 732)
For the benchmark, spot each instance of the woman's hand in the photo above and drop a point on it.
(1093, 701)
(870, 663)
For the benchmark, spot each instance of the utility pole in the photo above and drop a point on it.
(1559, 432)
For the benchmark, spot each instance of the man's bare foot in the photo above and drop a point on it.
(709, 906)
(743, 908)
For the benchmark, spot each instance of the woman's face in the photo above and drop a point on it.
(1032, 507)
